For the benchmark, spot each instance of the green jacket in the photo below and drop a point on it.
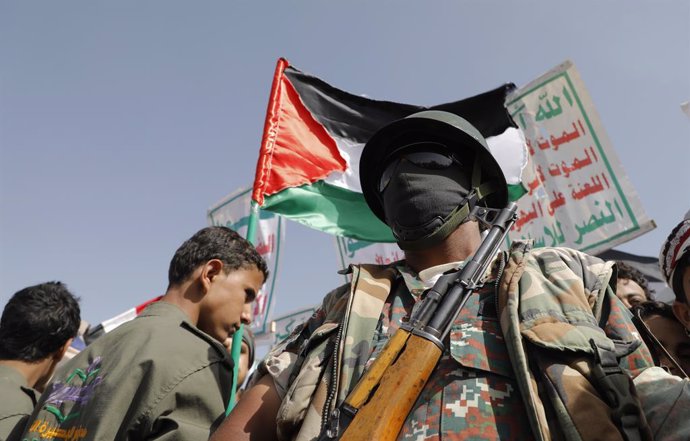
(156, 377)
(16, 403)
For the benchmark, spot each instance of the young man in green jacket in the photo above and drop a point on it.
(164, 375)
(37, 326)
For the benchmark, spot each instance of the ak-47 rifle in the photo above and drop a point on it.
(380, 402)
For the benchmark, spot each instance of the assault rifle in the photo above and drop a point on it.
(380, 402)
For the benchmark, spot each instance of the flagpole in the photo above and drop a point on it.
(258, 190)
(235, 352)
(253, 221)
(237, 336)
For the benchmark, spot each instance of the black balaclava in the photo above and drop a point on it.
(417, 201)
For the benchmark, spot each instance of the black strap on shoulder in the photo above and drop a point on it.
(614, 385)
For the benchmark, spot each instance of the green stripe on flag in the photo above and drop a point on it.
(335, 210)
(330, 209)
(516, 191)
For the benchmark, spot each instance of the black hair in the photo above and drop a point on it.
(220, 243)
(646, 309)
(677, 282)
(626, 271)
(38, 321)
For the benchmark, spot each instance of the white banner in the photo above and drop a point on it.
(360, 251)
(282, 326)
(233, 212)
(579, 196)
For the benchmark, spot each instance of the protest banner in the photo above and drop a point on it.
(579, 196)
(233, 212)
(352, 251)
(282, 326)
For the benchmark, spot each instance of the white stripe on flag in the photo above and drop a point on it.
(509, 149)
(351, 152)
(112, 323)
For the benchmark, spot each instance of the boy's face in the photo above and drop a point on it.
(248, 314)
(243, 367)
(221, 309)
(244, 364)
(630, 292)
(672, 336)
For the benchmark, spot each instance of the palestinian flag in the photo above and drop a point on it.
(308, 167)
(108, 325)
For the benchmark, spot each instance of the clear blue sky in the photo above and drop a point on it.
(122, 122)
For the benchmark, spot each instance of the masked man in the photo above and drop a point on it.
(427, 176)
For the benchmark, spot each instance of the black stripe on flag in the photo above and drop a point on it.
(357, 118)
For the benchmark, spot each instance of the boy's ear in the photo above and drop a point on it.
(60, 353)
(209, 271)
(682, 313)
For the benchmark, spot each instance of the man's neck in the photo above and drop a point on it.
(185, 297)
(33, 372)
(461, 244)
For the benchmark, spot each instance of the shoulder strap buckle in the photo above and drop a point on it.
(615, 387)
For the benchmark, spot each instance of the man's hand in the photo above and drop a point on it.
(254, 416)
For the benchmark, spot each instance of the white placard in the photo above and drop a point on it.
(233, 212)
(579, 196)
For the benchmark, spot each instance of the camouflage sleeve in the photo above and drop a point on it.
(282, 359)
(665, 400)
(619, 327)
(599, 288)
(615, 319)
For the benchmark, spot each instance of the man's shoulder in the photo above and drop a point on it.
(15, 399)
(554, 259)
(564, 253)
(148, 358)
(164, 328)
(15, 407)
(546, 271)
(369, 278)
(151, 344)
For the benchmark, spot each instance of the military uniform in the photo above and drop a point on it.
(156, 377)
(17, 401)
(472, 394)
(666, 403)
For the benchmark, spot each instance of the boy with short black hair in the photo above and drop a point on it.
(37, 326)
(632, 286)
(165, 374)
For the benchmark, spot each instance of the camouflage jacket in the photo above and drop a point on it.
(474, 392)
(572, 345)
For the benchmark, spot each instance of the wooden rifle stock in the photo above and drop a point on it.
(378, 406)
(401, 382)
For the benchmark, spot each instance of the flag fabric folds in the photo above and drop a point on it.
(108, 325)
(308, 167)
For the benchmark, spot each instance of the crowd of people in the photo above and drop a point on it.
(551, 343)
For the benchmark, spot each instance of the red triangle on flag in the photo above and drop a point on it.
(295, 149)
